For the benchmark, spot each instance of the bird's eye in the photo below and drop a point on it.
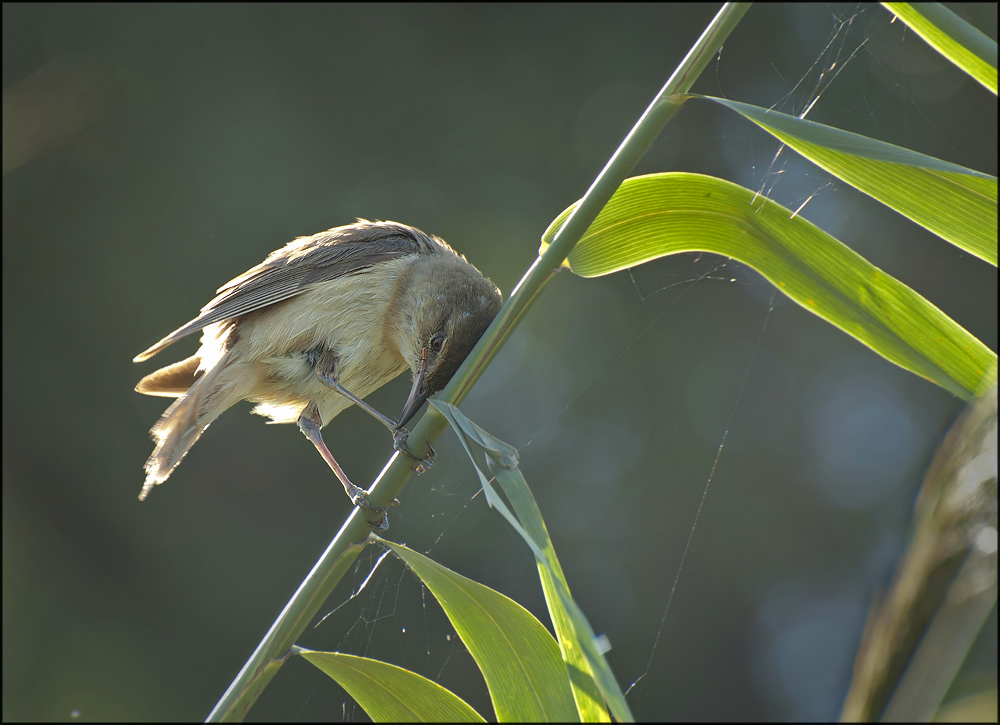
(437, 342)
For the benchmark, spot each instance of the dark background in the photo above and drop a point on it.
(151, 153)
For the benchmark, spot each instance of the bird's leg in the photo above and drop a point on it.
(310, 423)
(326, 371)
(326, 366)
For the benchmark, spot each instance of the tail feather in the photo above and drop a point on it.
(172, 381)
(183, 423)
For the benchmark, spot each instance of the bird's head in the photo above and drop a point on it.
(441, 307)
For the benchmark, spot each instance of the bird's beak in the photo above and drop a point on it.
(418, 393)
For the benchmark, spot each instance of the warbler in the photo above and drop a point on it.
(315, 328)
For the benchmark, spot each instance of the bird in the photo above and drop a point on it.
(316, 327)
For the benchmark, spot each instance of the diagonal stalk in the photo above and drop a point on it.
(353, 535)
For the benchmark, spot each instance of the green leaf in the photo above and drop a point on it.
(652, 216)
(957, 204)
(389, 693)
(962, 44)
(519, 659)
(590, 675)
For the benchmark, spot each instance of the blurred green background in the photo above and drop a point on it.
(151, 153)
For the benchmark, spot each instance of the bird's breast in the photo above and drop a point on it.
(346, 316)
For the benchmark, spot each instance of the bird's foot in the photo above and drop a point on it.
(359, 497)
(399, 437)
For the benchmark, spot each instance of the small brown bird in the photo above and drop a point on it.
(316, 327)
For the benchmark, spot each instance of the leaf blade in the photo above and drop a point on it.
(958, 41)
(659, 214)
(956, 203)
(519, 659)
(388, 693)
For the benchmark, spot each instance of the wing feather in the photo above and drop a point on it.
(306, 261)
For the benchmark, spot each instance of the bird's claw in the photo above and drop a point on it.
(360, 499)
(399, 443)
(399, 437)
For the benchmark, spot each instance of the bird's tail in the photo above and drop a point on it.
(183, 423)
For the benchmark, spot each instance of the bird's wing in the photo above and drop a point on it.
(337, 252)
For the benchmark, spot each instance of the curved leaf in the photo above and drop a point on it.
(962, 44)
(389, 693)
(590, 676)
(956, 203)
(659, 214)
(519, 659)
